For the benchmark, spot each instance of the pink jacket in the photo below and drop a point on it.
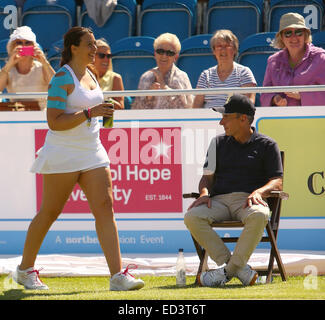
(310, 71)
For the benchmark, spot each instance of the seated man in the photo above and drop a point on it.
(242, 166)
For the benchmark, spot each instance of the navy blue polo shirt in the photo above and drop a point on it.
(242, 167)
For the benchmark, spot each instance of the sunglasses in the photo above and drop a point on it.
(168, 53)
(103, 55)
(297, 32)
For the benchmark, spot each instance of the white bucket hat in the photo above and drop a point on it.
(23, 33)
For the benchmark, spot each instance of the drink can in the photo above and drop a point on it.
(108, 121)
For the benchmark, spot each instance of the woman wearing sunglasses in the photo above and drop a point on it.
(27, 69)
(298, 63)
(165, 76)
(108, 79)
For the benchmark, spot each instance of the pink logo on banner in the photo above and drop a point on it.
(145, 166)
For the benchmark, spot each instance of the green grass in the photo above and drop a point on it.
(163, 288)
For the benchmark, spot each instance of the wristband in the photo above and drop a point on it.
(87, 114)
(85, 111)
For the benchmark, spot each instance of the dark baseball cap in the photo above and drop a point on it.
(237, 103)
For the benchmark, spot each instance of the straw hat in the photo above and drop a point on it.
(292, 20)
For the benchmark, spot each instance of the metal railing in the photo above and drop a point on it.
(139, 93)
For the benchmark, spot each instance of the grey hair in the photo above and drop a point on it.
(227, 36)
(170, 38)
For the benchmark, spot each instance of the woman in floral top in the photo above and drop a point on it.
(165, 76)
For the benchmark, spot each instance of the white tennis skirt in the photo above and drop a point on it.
(62, 158)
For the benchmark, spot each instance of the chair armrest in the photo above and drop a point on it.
(191, 195)
(273, 194)
(279, 194)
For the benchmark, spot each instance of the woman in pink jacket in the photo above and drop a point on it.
(298, 63)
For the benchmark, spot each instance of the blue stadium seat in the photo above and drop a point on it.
(49, 20)
(54, 54)
(120, 24)
(196, 56)
(242, 17)
(4, 17)
(311, 10)
(131, 58)
(254, 52)
(160, 16)
(3, 52)
(3, 58)
(319, 39)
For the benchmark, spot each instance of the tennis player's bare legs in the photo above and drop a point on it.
(56, 191)
(97, 186)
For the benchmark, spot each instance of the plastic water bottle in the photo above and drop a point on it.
(180, 269)
(262, 279)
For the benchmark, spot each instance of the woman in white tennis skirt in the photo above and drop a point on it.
(72, 154)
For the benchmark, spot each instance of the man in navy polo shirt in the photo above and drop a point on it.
(242, 167)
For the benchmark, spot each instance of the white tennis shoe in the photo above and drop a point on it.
(29, 278)
(124, 281)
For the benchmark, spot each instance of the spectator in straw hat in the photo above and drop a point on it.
(298, 63)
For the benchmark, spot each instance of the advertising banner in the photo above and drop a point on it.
(302, 140)
(145, 166)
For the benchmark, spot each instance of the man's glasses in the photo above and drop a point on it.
(297, 32)
(168, 53)
(103, 55)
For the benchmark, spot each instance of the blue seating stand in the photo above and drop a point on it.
(196, 56)
(131, 58)
(319, 39)
(120, 24)
(54, 54)
(3, 52)
(254, 52)
(7, 17)
(242, 17)
(49, 20)
(311, 10)
(160, 16)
